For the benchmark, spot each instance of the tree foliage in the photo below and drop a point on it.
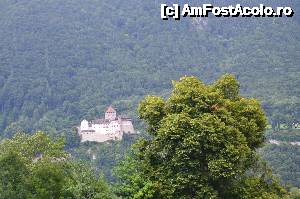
(203, 145)
(37, 167)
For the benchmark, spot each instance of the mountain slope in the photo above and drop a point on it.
(64, 61)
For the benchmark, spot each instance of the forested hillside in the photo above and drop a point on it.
(284, 158)
(61, 61)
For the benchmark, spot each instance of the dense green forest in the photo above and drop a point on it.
(284, 158)
(62, 61)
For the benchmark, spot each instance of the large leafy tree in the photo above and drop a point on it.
(203, 145)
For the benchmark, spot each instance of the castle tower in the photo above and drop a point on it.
(84, 125)
(111, 113)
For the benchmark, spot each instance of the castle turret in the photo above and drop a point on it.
(111, 113)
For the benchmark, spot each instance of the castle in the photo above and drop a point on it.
(111, 127)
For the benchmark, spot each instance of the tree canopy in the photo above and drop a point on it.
(37, 167)
(203, 145)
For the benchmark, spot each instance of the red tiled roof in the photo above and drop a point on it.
(110, 109)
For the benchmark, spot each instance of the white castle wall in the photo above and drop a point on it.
(127, 127)
(110, 115)
(97, 137)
